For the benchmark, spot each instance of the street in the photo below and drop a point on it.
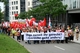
(41, 21)
(71, 47)
(53, 48)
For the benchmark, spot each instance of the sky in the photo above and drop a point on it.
(2, 6)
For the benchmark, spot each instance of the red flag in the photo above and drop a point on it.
(44, 22)
(16, 15)
(30, 22)
(27, 22)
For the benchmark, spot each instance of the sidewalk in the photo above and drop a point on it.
(75, 40)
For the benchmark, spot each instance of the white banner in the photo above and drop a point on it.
(43, 36)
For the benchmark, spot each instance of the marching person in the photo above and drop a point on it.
(43, 31)
(48, 41)
(18, 34)
(70, 34)
(9, 31)
(23, 30)
(53, 30)
(66, 35)
(77, 32)
(58, 30)
(35, 41)
(13, 31)
(62, 30)
(0, 29)
(29, 41)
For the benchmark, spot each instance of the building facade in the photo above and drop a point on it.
(7, 11)
(72, 4)
(2, 6)
(73, 11)
(30, 5)
(18, 6)
(35, 3)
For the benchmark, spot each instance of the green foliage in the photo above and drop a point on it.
(1, 15)
(23, 15)
(5, 1)
(8, 45)
(50, 7)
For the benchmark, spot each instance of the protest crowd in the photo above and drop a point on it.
(15, 28)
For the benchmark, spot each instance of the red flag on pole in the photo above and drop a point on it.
(44, 22)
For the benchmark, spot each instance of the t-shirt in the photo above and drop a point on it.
(58, 30)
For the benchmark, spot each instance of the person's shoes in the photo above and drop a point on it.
(18, 41)
(25, 42)
(29, 43)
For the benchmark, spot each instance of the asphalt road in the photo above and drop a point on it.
(52, 48)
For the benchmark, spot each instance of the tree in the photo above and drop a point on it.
(23, 15)
(46, 8)
(5, 1)
(1, 15)
(50, 7)
(37, 13)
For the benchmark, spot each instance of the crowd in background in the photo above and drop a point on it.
(69, 33)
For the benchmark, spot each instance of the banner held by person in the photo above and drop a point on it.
(44, 36)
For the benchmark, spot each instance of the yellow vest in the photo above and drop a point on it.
(13, 31)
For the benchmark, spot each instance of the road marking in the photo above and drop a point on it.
(59, 48)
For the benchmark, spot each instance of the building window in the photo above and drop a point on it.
(12, 2)
(22, 6)
(74, 4)
(16, 12)
(16, 7)
(28, 3)
(12, 13)
(79, 3)
(12, 8)
(13, 18)
(10, 18)
(16, 2)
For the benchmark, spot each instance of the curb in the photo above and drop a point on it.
(75, 42)
(21, 44)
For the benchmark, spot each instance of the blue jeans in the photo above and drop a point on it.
(0, 30)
